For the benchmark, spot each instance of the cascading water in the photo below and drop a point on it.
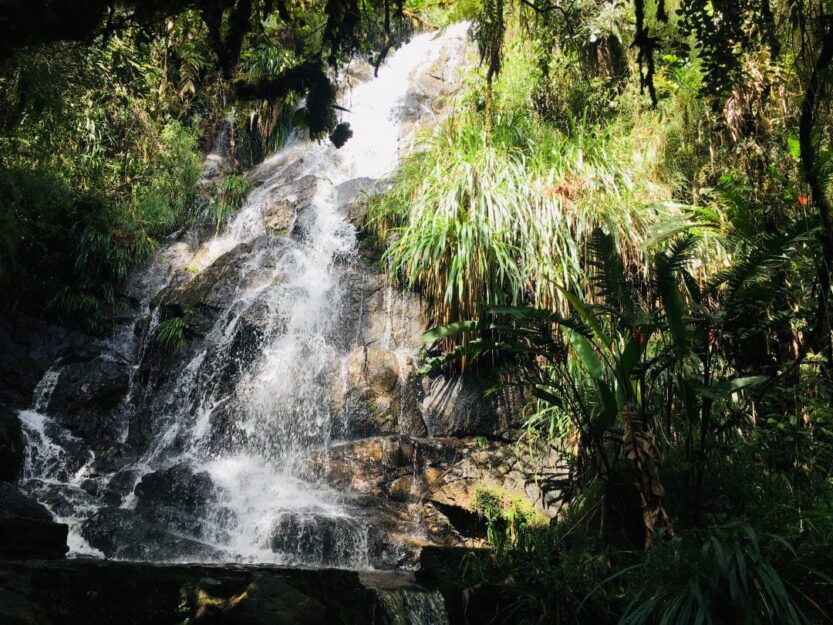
(253, 396)
(407, 606)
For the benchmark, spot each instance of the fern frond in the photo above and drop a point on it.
(609, 281)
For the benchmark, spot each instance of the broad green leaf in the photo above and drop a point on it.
(545, 395)
(587, 316)
(724, 388)
(633, 351)
(450, 330)
(586, 353)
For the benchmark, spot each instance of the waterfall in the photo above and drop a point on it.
(45, 388)
(411, 606)
(227, 435)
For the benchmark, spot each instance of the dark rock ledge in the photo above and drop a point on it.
(27, 529)
(98, 592)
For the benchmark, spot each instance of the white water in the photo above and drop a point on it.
(412, 607)
(283, 399)
(48, 464)
(249, 435)
(45, 388)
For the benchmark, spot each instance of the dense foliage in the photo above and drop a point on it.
(635, 231)
(107, 108)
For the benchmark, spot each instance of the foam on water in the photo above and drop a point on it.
(48, 465)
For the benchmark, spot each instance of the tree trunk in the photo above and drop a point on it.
(809, 157)
(642, 451)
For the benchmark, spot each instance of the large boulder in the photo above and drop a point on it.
(304, 536)
(362, 466)
(176, 498)
(535, 475)
(90, 385)
(272, 601)
(353, 195)
(379, 329)
(432, 94)
(166, 523)
(443, 474)
(27, 529)
(209, 302)
(53, 453)
(203, 298)
(12, 446)
(208, 299)
(124, 534)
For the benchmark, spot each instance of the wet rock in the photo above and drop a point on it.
(305, 216)
(213, 166)
(112, 456)
(282, 205)
(201, 301)
(90, 386)
(380, 326)
(405, 488)
(379, 313)
(28, 347)
(314, 536)
(271, 601)
(123, 482)
(444, 473)
(362, 466)
(176, 498)
(207, 294)
(279, 216)
(53, 452)
(464, 406)
(58, 498)
(102, 495)
(209, 304)
(27, 529)
(12, 448)
(124, 534)
(353, 196)
(252, 328)
(356, 72)
(378, 393)
(178, 486)
(432, 94)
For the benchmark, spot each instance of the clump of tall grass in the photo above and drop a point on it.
(473, 221)
(230, 195)
(170, 334)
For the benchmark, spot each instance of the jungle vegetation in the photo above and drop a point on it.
(628, 216)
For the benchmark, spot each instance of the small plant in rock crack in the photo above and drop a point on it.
(231, 193)
(509, 520)
(170, 334)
